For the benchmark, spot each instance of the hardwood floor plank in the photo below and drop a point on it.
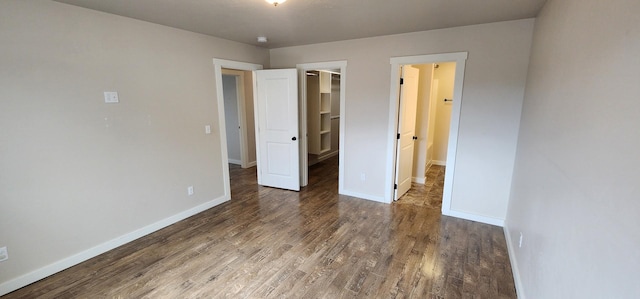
(272, 243)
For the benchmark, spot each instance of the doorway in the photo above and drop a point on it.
(426, 98)
(323, 117)
(237, 89)
(220, 64)
(333, 111)
(459, 60)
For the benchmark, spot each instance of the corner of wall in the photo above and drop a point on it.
(514, 263)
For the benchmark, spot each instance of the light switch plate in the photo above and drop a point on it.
(111, 97)
(4, 254)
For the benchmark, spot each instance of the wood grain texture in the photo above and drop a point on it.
(272, 243)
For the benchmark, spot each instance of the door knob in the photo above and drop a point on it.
(294, 138)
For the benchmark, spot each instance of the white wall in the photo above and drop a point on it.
(575, 187)
(232, 123)
(492, 98)
(78, 173)
(445, 75)
(422, 122)
(431, 123)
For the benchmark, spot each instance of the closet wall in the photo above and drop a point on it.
(421, 155)
(444, 75)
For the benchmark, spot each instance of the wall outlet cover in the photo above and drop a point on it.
(111, 97)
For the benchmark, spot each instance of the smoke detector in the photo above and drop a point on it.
(275, 2)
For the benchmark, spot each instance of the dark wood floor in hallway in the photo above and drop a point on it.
(272, 243)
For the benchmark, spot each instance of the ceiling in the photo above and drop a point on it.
(300, 22)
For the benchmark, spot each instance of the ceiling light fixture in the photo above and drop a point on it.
(275, 2)
(262, 39)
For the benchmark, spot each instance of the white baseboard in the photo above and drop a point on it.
(514, 264)
(234, 161)
(437, 162)
(474, 217)
(19, 282)
(327, 156)
(323, 157)
(420, 180)
(251, 164)
(364, 196)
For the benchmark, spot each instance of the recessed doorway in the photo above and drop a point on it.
(453, 101)
(322, 107)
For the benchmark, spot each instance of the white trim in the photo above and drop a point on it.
(420, 180)
(302, 69)
(514, 264)
(325, 157)
(16, 283)
(428, 165)
(237, 65)
(438, 162)
(364, 196)
(329, 155)
(218, 64)
(251, 164)
(460, 59)
(235, 161)
(474, 217)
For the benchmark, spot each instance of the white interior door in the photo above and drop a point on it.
(406, 129)
(277, 122)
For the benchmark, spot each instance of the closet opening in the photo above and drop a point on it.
(401, 157)
(323, 118)
(424, 117)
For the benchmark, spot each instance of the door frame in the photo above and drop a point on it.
(460, 59)
(218, 65)
(302, 107)
(242, 116)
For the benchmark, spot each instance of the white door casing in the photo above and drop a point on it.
(406, 129)
(277, 136)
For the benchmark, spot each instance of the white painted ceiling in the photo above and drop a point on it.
(300, 22)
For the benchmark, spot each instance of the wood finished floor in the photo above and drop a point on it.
(271, 243)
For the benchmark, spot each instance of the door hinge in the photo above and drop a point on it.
(395, 186)
(401, 81)
(398, 137)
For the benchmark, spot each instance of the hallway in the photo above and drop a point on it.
(428, 195)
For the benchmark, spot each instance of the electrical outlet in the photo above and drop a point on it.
(4, 254)
(190, 190)
(363, 177)
(520, 242)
